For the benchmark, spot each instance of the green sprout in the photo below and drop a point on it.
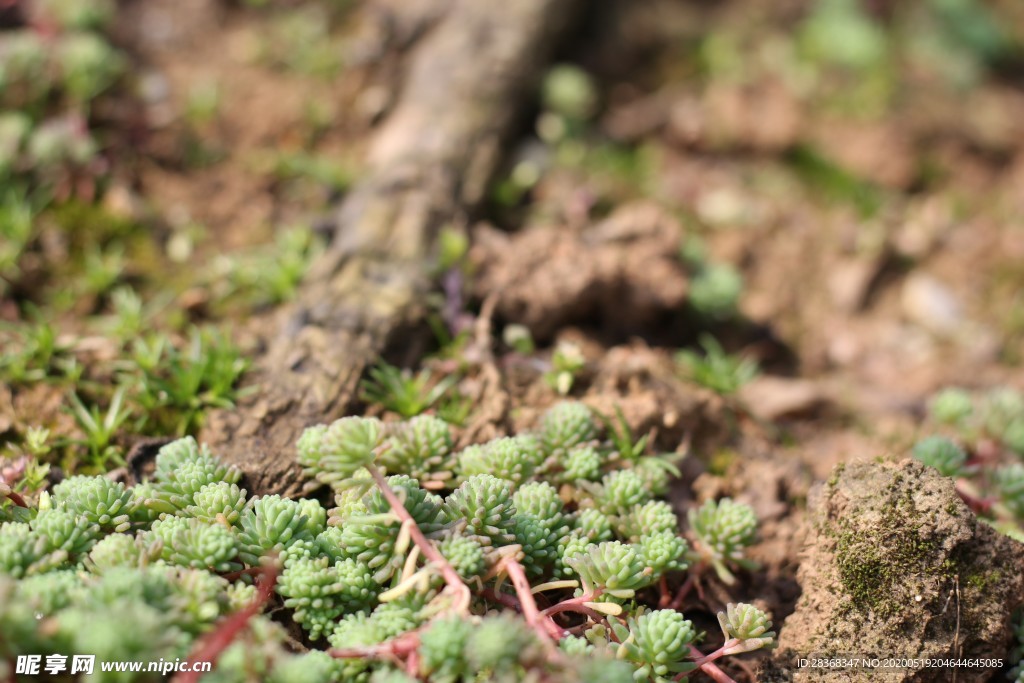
(715, 369)
(566, 363)
(715, 290)
(658, 643)
(951, 406)
(175, 387)
(402, 392)
(101, 428)
(32, 352)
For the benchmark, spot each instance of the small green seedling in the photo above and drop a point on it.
(717, 370)
(402, 392)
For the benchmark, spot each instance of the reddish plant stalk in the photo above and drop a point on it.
(573, 604)
(690, 583)
(713, 672)
(249, 571)
(210, 647)
(451, 577)
(665, 598)
(402, 646)
(17, 499)
(502, 599)
(540, 623)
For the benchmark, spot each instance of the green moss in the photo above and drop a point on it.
(882, 569)
(982, 580)
(837, 472)
(90, 224)
(721, 461)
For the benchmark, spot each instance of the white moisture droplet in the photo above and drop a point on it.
(918, 598)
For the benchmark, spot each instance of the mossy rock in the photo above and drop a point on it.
(896, 566)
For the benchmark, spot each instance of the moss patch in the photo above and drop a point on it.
(884, 571)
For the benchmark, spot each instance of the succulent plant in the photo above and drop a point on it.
(942, 454)
(1010, 484)
(379, 575)
(565, 425)
(512, 458)
(115, 550)
(320, 592)
(218, 501)
(649, 518)
(664, 551)
(723, 530)
(421, 448)
(270, 525)
(612, 567)
(193, 543)
(951, 406)
(582, 463)
(334, 453)
(465, 554)
(658, 643)
(485, 502)
(746, 624)
(101, 501)
(620, 491)
(594, 525)
(443, 649)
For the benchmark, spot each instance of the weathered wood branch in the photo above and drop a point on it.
(468, 75)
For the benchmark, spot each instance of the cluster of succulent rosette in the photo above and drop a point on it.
(981, 446)
(980, 443)
(541, 556)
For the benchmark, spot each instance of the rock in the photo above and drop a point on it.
(849, 282)
(929, 303)
(896, 566)
(623, 273)
(773, 398)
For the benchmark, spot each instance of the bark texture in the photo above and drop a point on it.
(467, 75)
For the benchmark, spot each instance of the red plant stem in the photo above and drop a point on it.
(540, 623)
(451, 577)
(713, 672)
(401, 646)
(212, 646)
(573, 604)
(412, 664)
(17, 499)
(979, 506)
(720, 652)
(249, 571)
(665, 598)
(502, 599)
(688, 585)
(684, 590)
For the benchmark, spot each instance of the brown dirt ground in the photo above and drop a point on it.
(856, 320)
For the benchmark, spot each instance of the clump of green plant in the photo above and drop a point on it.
(982, 447)
(157, 386)
(32, 352)
(403, 392)
(173, 386)
(264, 275)
(401, 580)
(716, 369)
(715, 288)
(566, 363)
